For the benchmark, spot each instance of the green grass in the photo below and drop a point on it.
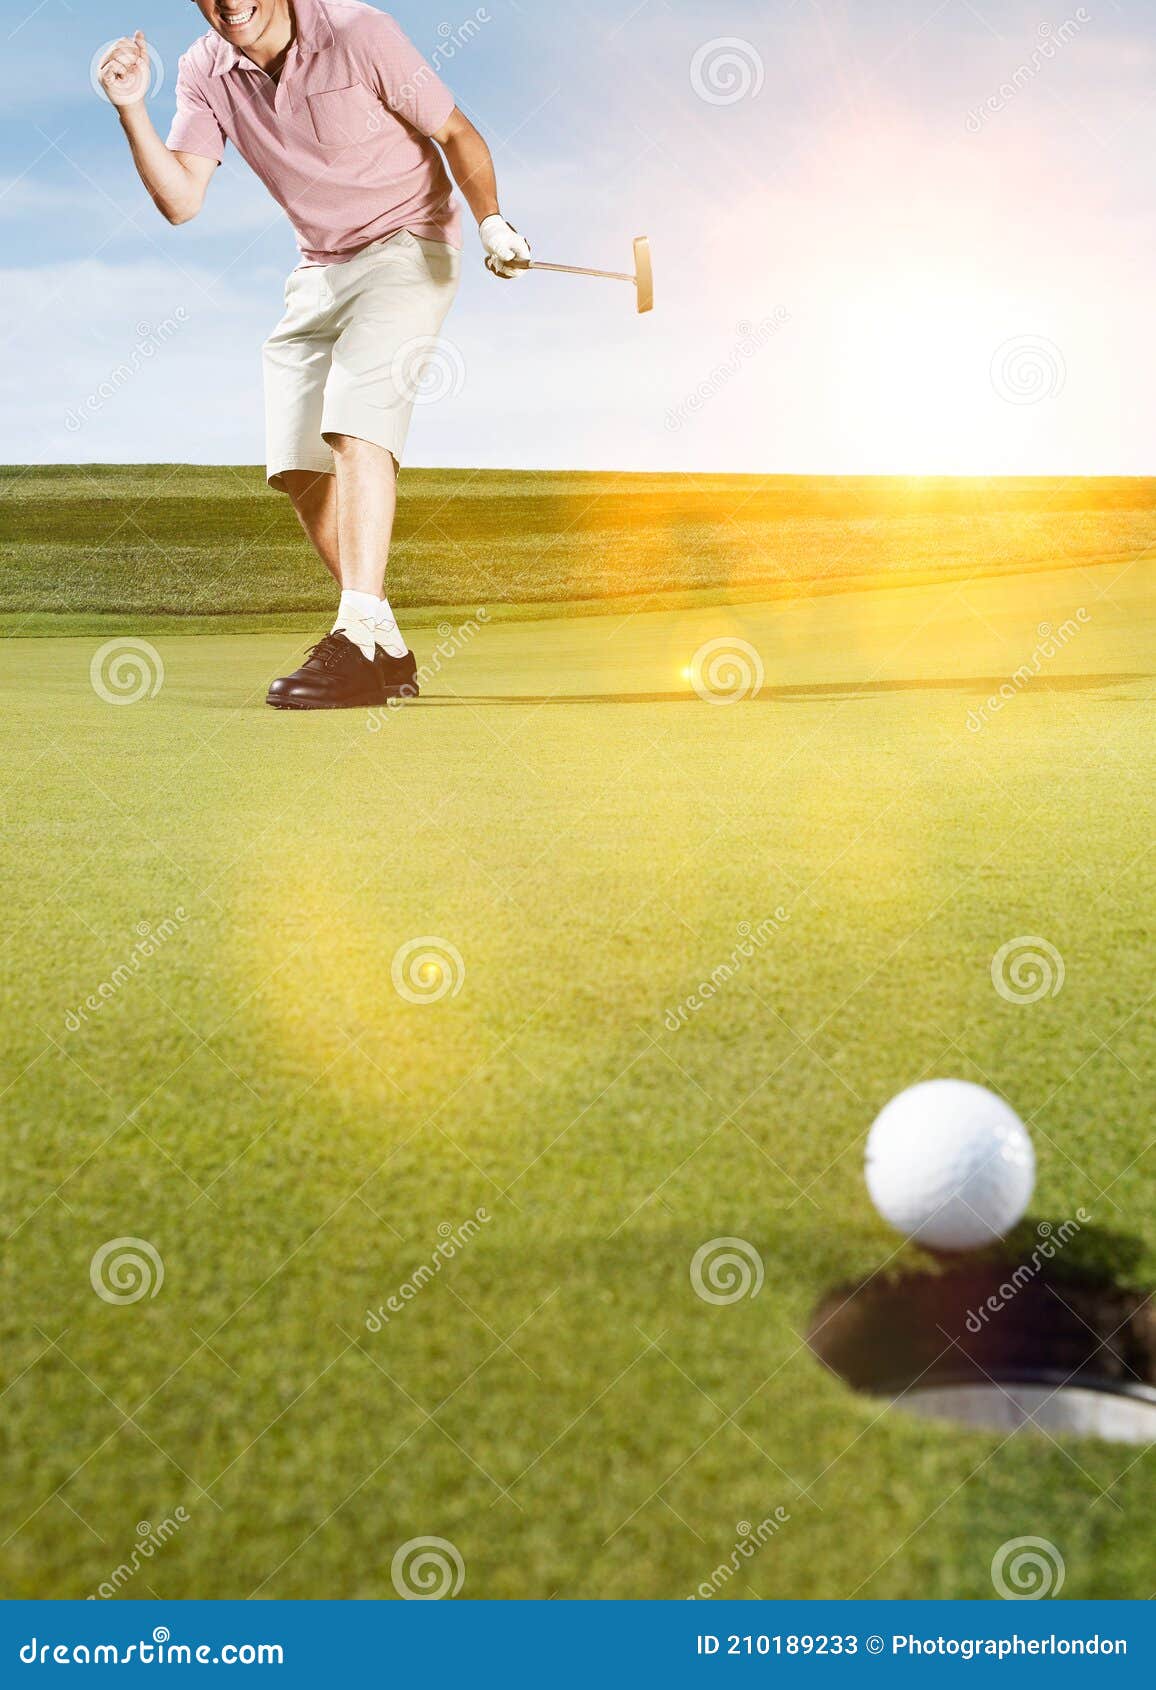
(259, 1102)
(169, 541)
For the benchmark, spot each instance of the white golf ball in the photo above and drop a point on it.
(950, 1165)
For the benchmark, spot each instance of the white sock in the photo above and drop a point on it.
(388, 634)
(357, 619)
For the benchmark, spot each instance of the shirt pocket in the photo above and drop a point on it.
(345, 117)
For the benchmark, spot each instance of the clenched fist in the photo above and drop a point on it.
(125, 72)
(507, 252)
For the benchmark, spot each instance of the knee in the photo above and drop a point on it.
(350, 449)
(305, 487)
(344, 445)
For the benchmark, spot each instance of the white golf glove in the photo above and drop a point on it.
(503, 243)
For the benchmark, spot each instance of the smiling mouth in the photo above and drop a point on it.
(237, 20)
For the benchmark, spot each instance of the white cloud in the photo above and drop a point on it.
(104, 362)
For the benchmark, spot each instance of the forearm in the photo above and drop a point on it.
(170, 185)
(472, 168)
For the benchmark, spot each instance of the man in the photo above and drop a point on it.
(338, 114)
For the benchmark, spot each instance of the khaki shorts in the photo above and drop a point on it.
(356, 350)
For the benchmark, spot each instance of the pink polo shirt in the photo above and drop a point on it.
(341, 140)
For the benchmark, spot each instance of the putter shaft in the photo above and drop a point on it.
(572, 270)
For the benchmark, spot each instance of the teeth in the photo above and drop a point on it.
(234, 19)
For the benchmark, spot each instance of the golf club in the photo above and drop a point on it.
(642, 280)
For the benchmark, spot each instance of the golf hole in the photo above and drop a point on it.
(991, 1347)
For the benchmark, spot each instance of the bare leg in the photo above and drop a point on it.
(366, 502)
(314, 499)
(348, 516)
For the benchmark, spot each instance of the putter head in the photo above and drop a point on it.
(643, 274)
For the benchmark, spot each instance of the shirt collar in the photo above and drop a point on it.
(314, 31)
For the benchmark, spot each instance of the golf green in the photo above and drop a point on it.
(421, 1231)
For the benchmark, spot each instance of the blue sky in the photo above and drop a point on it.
(889, 235)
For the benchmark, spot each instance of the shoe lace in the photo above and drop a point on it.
(328, 652)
